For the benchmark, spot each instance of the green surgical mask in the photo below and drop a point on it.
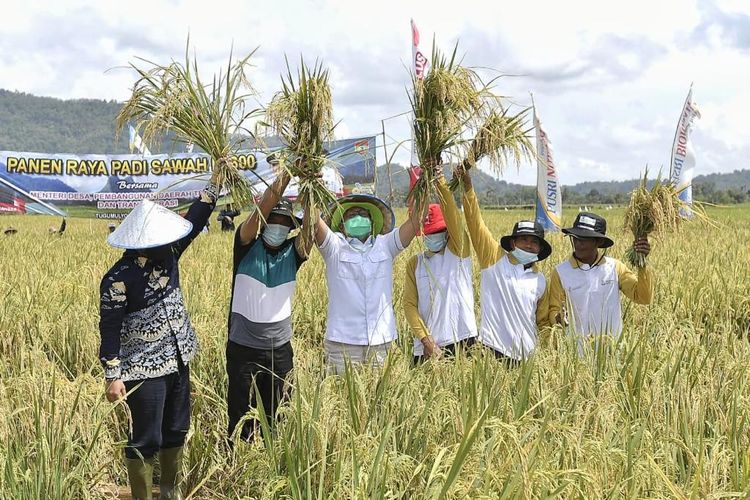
(358, 226)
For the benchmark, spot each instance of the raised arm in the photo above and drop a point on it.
(458, 242)
(409, 229)
(250, 227)
(198, 215)
(485, 245)
(303, 247)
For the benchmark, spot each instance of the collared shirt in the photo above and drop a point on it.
(438, 291)
(262, 290)
(593, 292)
(144, 325)
(513, 297)
(360, 289)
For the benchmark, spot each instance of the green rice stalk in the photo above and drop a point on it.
(173, 98)
(301, 113)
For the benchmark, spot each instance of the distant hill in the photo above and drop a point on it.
(79, 126)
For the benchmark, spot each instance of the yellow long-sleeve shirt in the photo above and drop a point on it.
(638, 287)
(489, 252)
(458, 244)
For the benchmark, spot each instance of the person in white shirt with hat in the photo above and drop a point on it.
(147, 340)
(591, 282)
(358, 250)
(513, 291)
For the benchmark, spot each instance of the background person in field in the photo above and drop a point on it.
(591, 282)
(259, 349)
(147, 340)
(226, 217)
(438, 290)
(513, 292)
(358, 251)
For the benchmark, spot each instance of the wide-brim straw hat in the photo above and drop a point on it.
(383, 219)
(149, 225)
(588, 225)
(531, 228)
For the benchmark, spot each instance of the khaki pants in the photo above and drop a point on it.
(337, 353)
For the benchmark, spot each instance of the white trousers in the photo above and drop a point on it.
(337, 353)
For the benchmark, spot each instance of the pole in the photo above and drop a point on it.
(387, 165)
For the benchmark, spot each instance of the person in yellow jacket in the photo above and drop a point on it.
(438, 291)
(591, 282)
(513, 292)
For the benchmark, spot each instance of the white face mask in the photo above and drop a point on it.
(523, 257)
(275, 234)
(436, 242)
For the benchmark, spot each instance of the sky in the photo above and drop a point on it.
(609, 78)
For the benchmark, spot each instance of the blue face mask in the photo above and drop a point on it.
(358, 227)
(523, 257)
(436, 242)
(275, 234)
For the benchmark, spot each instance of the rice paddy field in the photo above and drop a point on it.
(663, 413)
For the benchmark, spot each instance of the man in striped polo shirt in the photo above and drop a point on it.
(259, 350)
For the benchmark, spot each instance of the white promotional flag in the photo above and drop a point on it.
(420, 64)
(136, 143)
(548, 195)
(682, 162)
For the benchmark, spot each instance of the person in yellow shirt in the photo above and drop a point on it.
(438, 291)
(590, 282)
(513, 292)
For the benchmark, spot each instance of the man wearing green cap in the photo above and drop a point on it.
(358, 250)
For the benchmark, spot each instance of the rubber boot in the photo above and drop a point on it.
(170, 462)
(141, 477)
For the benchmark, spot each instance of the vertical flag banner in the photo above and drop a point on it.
(548, 195)
(136, 143)
(420, 64)
(682, 162)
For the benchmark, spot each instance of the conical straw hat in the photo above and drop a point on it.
(149, 225)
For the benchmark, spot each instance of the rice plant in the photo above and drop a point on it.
(173, 98)
(302, 114)
(661, 413)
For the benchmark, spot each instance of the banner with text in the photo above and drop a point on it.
(108, 186)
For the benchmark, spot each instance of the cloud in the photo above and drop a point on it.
(608, 79)
(719, 27)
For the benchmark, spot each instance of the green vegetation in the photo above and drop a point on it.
(661, 414)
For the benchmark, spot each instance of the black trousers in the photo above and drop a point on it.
(450, 349)
(250, 369)
(160, 409)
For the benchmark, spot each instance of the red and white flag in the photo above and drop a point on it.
(420, 64)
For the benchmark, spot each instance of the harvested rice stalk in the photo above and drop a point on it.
(502, 138)
(302, 114)
(446, 102)
(651, 212)
(172, 98)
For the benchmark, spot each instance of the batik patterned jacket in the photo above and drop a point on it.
(144, 325)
